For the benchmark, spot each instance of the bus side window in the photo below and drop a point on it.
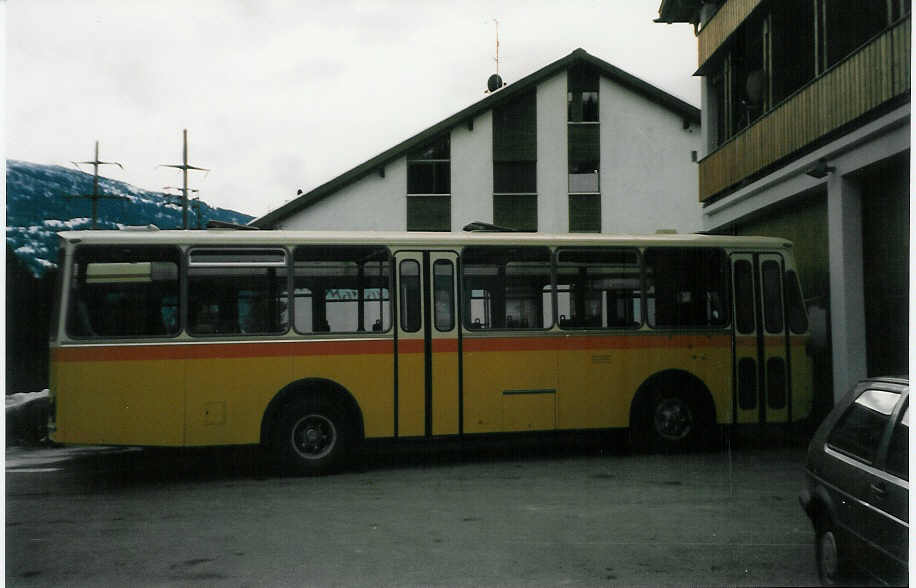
(234, 300)
(341, 289)
(599, 288)
(689, 287)
(124, 292)
(504, 287)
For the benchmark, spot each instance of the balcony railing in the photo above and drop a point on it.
(868, 78)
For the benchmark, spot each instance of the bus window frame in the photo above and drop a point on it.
(391, 287)
(555, 268)
(80, 253)
(466, 323)
(185, 299)
(726, 288)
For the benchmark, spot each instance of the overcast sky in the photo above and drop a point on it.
(278, 96)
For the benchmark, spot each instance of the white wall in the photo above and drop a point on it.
(648, 180)
(552, 165)
(472, 172)
(372, 203)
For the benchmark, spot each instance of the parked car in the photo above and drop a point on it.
(857, 484)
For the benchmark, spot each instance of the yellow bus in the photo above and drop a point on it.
(310, 342)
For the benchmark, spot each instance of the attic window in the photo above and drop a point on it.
(582, 94)
(429, 186)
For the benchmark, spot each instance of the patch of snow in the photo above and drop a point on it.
(14, 400)
(27, 458)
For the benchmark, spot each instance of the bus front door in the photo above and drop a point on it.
(427, 397)
(760, 364)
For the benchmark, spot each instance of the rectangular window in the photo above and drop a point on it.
(124, 292)
(584, 158)
(582, 93)
(515, 163)
(745, 322)
(772, 296)
(793, 47)
(429, 186)
(515, 129)
(504, 287)
(516, 211)
(583, 138)
(444, 295)
(858, 432)
(514, 177)
(237, 291)
(429, 213)
(848, 24)
(599, 289)
(342, 289)
(585, 213)
(686, 287)
(798, 317)
(410, 296)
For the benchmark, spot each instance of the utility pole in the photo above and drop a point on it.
(95, 196)
(184, 167)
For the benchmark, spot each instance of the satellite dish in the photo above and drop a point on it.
(755, 87)
(494, 83)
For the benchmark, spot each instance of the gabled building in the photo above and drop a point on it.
(577, 146)
(806, 135)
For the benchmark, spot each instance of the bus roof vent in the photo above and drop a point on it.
(149, 227)
(216, 224)
(482, 227)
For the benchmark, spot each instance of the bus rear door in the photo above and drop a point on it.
(760, 363)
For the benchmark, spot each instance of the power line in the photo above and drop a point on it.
(96, 195)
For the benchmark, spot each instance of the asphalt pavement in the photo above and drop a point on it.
(542, 512)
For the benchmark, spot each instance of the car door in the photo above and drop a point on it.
(853, 469)
(889, 495)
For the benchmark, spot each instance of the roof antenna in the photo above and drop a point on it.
(495, 82)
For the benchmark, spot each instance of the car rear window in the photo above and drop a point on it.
(859, 430)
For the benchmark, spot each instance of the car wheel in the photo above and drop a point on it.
(311, 438)
(830, 568)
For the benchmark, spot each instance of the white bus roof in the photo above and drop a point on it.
(408, 239)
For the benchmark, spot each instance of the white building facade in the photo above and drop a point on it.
(578, 146)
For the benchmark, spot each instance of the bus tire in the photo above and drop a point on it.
(311, 437)
(669, 417)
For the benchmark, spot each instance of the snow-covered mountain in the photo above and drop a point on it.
(37, 208)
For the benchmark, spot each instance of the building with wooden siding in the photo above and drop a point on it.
(577, 146)
(806, 135)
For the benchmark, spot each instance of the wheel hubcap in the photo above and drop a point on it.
(829, 558)
(313, 436)
(673, 419)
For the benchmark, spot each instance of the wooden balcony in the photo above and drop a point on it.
(866, 79)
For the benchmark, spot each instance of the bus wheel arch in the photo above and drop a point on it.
(671, 410)
(312, 407)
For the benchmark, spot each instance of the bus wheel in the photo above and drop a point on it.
(311, 438)
(669, 420)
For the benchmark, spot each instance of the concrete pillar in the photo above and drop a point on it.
(847, 292)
